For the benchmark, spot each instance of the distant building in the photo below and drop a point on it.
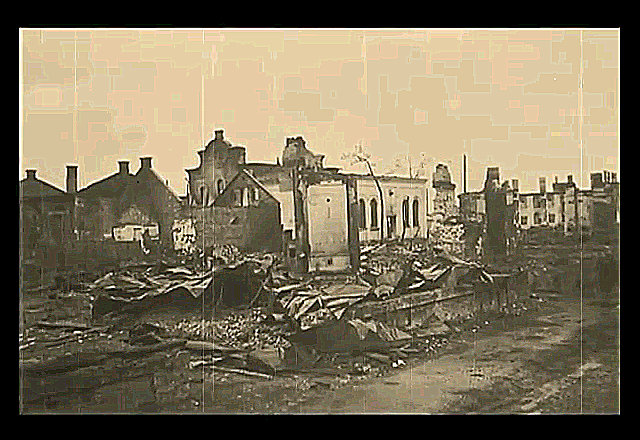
(544, 208)
(566, 208)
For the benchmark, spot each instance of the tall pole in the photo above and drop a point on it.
(381, 194)
(464, 173)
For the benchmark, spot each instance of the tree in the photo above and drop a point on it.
(360, 155)
(414, 167)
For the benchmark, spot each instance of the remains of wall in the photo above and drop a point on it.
(250, 229)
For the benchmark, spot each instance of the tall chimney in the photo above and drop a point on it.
(596, 180)
(31, 174)
(145, 162)
(493, 173)
(614, 177)
(72, 179)
(464, 173)
(543, 185)
(515, 184)
(123, 166)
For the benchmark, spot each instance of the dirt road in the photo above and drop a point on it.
(534, 364)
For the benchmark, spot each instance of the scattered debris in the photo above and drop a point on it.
(229, 313)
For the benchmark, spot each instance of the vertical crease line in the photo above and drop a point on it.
(580, 97)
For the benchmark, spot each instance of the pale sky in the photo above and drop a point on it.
(508, 98)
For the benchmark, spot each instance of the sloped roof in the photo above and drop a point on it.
(136, 187)
(385, 177)
(39, 188)
(111, 186)
(253, 179)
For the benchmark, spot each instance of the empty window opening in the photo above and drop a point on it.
(374, 213)
(405, 213)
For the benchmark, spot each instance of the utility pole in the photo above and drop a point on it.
(464, 173)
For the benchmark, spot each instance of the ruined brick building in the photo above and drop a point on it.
(444, 201)
(565, 209)
(315, 215)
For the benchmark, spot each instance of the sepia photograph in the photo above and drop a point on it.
(238, 220)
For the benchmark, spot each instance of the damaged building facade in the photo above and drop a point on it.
(444, 200)
(565, 208)
(315, 215)
(444, 228)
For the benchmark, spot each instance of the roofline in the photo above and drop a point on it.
(246, 173)
(161, 180)
(539, 193)
(260, 185)
(385, 177)
(261, 164)
(63, 192)
(92, 184)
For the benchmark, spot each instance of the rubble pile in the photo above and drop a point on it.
(448, 236)
(250, 317)
(225, 253)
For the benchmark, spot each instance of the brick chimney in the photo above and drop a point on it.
(219, 135)
(515, 184)
(31, 174)
(570, 178)
(72, 179)
(145, 162)
(123, 166)
(543, 185)
(493, 173)
(596, 180)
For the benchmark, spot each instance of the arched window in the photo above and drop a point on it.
(405, 212)
(416, 213)
(363, 214)
(537, 218)
(374, 213)
(220, 186)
